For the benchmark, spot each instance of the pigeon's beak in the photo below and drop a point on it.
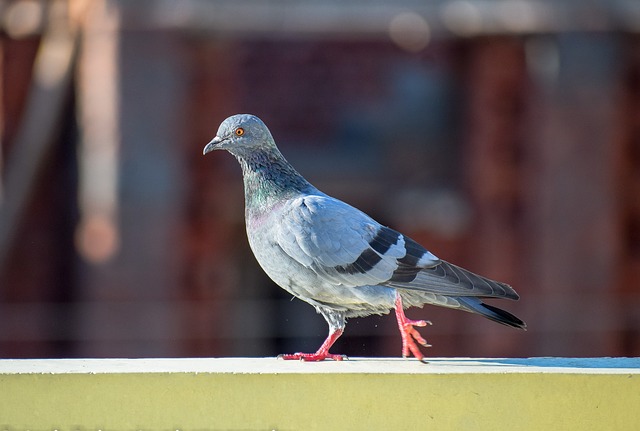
(213, 145)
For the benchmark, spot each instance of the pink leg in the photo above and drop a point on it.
(323, 351)
(410, 334)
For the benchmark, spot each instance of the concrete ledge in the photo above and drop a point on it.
(359, 394)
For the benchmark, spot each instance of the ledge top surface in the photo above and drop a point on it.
(272, 365)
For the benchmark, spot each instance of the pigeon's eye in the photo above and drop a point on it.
(239, 131)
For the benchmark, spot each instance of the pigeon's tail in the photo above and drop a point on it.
(474, 305)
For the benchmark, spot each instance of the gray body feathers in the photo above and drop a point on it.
(334, 256)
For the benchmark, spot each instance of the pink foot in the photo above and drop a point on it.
(322, 353)
(410, 335)
(312, 357)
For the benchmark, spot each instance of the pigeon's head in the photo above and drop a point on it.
(241, 134)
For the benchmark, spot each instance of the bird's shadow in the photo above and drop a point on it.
(560, 362)
(544, 362)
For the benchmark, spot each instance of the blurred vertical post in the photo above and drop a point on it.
(97, 233)
(497, 73)
(40, 122)
(2, 116)
(572, 213)
(130, 173)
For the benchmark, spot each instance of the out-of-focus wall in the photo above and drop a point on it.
(504, 136)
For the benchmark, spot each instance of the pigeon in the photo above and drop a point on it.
(337, 258)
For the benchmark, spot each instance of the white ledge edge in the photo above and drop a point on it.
(272, 365)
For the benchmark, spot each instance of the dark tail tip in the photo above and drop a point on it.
(500, 316)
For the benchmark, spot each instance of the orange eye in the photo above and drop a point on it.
(239, 131)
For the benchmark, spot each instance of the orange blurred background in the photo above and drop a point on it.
(502, 135)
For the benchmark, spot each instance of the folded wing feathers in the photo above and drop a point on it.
(449, 279)
(345, 246)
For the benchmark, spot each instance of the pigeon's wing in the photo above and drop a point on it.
(449, 280)
(340, 243)
(345, 246)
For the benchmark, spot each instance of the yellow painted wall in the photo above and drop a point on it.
(320, 401)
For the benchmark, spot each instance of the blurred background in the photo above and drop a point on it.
(503, 135)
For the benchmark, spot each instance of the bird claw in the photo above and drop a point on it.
(413, 332)
(312, 357)
(322, 353)
(410, 334)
